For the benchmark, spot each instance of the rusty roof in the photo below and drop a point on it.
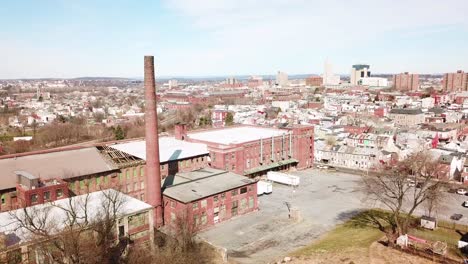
(60, 164)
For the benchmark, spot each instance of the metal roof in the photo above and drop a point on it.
(169, 149)
(199, 184)
(62, 164)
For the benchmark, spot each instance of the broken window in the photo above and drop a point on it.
(195, 205)
(59, 193)
(46, 196)
(34, 198)
(234, 192)
(243, 190)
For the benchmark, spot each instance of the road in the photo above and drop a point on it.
(324, 200)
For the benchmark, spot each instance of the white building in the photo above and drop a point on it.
(373, 81)
(359, 71)
(282, 78)
(328, 77)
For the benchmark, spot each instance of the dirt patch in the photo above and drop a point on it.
(253, 248)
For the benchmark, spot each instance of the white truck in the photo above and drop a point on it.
(264, 187)
(283, 178)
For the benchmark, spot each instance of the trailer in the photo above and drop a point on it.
(264, 187)
(283, 178)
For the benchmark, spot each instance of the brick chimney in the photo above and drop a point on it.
(153, 173)
(180, 131)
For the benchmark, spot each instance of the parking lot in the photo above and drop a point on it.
(324, 199)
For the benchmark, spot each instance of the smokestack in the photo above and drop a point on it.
(153, 173)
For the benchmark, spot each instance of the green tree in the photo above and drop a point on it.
(229, 119)
(119, 133)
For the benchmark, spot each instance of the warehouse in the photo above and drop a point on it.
(254, 150)
(207, 196)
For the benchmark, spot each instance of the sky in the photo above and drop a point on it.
(77, 38)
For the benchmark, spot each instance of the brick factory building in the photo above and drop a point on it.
(406, 82)
(92, 169)
(207, 196)
(455, 82)
(253, 150)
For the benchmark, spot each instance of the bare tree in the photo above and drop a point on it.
(393, 188)
(79, 231)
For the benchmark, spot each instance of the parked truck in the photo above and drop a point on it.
(283, 178)
(264, 187)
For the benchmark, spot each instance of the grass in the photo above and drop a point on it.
(344, 237)
(442, 234)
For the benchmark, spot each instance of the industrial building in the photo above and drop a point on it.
(253, 150)
(207, 196)
(134, 222)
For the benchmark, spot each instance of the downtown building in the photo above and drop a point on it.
(455, 82)
(406, 82)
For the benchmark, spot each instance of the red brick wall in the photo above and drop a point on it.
(178, 209)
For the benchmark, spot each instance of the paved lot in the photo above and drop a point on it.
(324, 199)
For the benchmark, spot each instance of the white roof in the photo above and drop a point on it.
(54, 214)
(237, 135)
(169, 149)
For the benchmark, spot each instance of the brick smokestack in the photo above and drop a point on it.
(153, 173)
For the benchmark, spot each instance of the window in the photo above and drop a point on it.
(142, 171)
(106, 179)
(173, 217)
(71, 185)
(128, 174)
(203, 203)
(203, 219)
(142, 185)
(234, 192)
(135, 172)
(195, 205)
(243, 190)
(121, 176)
(234, 208)
(251, 202)
(82, 184)
(3, 198)
(98, 181)
(46, 196)
(196, 220)
(223, 195)
(138, 220)
(142, 197)
(135, 186)
(34, 198)
(128, 187)
(215, 198)
(59, 193)
(173, 204)
(214, 156)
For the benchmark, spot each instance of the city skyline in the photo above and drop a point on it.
(62, 39)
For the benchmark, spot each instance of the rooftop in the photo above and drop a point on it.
(237, 135)
(56, 212)
(406, 111)
(61, 164)
(169, 149)
(191, 186)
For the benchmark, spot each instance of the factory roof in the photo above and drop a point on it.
(187, 187)
(237, 135)
(169, 149)
(406, 111)
(56, 213)
(61, 164)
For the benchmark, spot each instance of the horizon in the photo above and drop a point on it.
(197, 38)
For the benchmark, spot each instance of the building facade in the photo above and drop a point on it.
(359, 71)
(406, 82)
(455, 82)
(405, 117)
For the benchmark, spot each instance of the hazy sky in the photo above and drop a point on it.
(72, 38)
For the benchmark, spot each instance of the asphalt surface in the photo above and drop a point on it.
(324, 199)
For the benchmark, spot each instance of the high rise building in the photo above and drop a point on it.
(282, 78)
(406, 82)
(359, 71)
(457, 81)
(328, 77)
